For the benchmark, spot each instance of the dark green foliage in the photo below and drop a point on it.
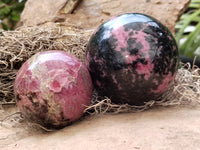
(188, 30)
(10, 11)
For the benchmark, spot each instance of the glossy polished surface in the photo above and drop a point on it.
(52, 88)
(132, 58)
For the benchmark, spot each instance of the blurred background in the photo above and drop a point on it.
(10, 11)
(187, 29)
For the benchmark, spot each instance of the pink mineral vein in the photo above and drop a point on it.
(166, 83)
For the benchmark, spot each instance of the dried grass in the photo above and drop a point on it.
(185, 91)
(19, 45)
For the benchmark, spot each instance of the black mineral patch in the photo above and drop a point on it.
(32, 97)
(120, 80)
(18, 98)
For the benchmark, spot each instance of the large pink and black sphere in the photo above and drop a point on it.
(132, 58)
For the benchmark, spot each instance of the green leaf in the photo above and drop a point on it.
(6, 1)
(4, 26)
(2, 15)
(190, 45)
(15, 16)
(10, 10)
(6, 10)
(190, 18)
(18, 6)
(187, 21)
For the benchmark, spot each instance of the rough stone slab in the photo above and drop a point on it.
(91, 13)
(160, 128)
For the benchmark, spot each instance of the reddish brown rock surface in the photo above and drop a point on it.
(91, 13)
(171, 128)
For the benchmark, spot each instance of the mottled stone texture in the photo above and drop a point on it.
(53, 88)
(132, 59)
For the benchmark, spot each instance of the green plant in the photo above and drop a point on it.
(10, 11)
(188, 30)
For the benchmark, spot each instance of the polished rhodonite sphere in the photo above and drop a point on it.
(53, 88)
(132, 58)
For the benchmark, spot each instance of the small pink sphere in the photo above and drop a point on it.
(53, 88)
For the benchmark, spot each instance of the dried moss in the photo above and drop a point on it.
(185, 91)
(19, 45)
